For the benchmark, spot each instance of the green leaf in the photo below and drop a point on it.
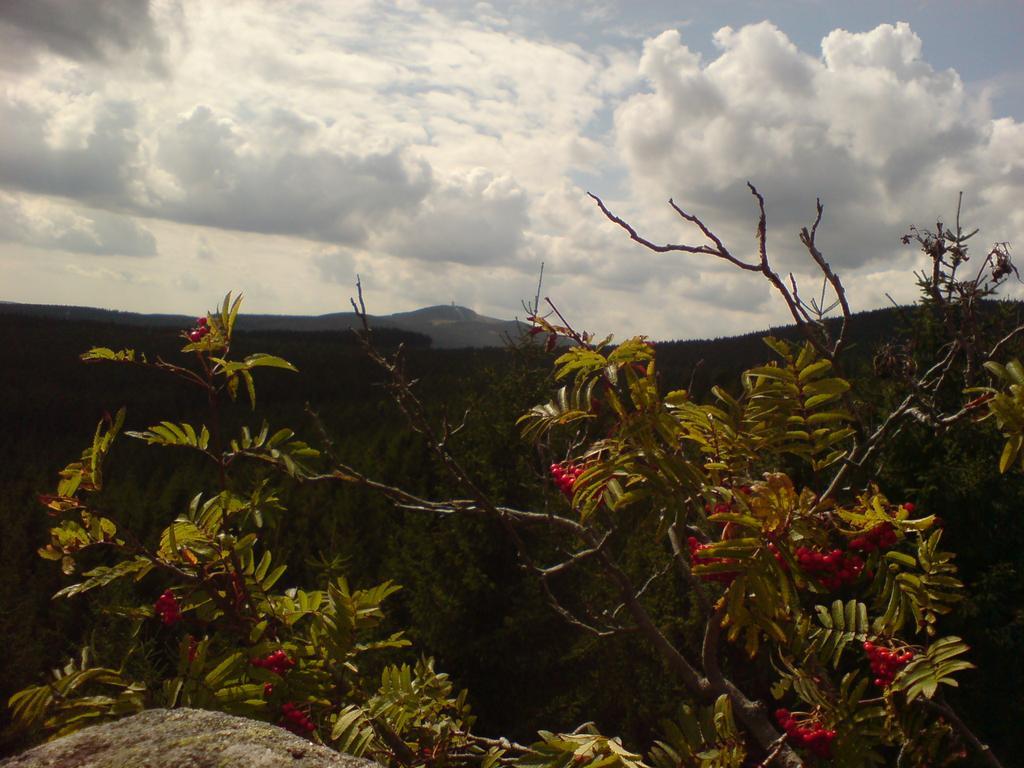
(104, 353)
(250, 387)
(829, 386)
(101, 576)
(216, 676)
(814, 369)
(232, 313)
(268, 361)
(815, 400)
(1010, 451)
(922, 676)
(1015, 371)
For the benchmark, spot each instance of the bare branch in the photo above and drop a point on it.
(360, 310)
(644, 587)
(572, 619)
(396, 744)
(583, 339)
(709, 646)
(774, 751)
(961, 727)
(863, 452)
(683, 564)
(762, 228)
(719, 250)
(801, 306)
(807, 238)
(576, 558)
(687, 673)
(503, 744)
(1004, 341)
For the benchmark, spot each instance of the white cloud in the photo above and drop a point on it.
(106, 275)
(45, 223)
(439, 150)
(213, 178)
(326, 125)
(474, 218)
(870, 127)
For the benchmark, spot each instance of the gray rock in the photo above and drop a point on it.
(183, 738)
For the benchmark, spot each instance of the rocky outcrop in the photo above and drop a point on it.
(183, 738)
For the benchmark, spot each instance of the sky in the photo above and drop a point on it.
(155, 155)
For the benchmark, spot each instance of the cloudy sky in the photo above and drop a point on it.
(155, 155)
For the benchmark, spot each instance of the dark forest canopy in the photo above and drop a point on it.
(466, 599)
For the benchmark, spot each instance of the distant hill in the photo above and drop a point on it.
(701, 363)
(454, 327)
(447, 326)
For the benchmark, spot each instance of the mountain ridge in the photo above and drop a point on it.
(447, 325)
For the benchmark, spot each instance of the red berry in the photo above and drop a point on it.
(166, 607)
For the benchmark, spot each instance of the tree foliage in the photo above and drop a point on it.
(814, 594)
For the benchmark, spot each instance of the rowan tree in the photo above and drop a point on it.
(819, 598)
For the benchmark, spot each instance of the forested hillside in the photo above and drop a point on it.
(443, 326)
(465, 598)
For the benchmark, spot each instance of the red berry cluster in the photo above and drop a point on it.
(295, 720)
(783, 563)
(833, 569)
(723, 507)
(202, 328)
(720, 508)
(565, 474)
(809, 734)
(277, 662)
(430, 754)
(696, 558)
(886, 663)
(268, 689)
(166, 607)
(880, 537)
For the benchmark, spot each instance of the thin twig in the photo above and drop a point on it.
(679, 557)
(961, 727)
(774, 751)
